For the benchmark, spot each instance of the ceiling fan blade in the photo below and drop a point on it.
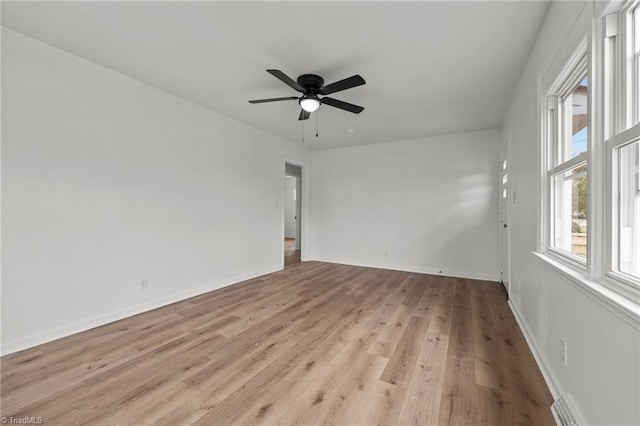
(345, 84)
(304, 115)
(286, 80)
(260, 101)
(342, 105)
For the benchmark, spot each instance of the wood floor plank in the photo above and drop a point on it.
(416, 290)
(389, 331)
(458, 404)
(422, 404)
(316, 343)
(403, 359)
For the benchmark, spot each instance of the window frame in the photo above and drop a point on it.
(553, 124)
(621, 127)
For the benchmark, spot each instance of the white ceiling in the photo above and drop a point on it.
(431, 67)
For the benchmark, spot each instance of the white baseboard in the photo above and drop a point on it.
(415, 269)
(86, 324)
(549, 376)
(547, 372)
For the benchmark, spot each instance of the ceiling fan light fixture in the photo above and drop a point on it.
(310, 103)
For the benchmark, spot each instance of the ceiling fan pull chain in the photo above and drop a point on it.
(303, 131)
(317, 114)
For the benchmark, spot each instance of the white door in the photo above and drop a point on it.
(505, 204)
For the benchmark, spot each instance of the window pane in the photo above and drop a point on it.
(570, 210)
(629, 209)
(575, 105)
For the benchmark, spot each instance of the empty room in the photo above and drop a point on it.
(320, 212)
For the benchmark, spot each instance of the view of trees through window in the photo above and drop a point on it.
(579, 211)
(579, 179)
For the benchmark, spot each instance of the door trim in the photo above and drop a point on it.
(505, 211)
(304, 209)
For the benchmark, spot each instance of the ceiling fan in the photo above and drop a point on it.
(311, 85)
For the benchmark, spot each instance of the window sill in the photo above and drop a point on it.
(569, 260)
(626, 309)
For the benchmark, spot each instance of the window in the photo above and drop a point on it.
(567, 171)
(590, 157)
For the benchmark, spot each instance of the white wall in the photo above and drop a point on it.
(424, 205)
(602, 376)
(106, 180)
(290, 187)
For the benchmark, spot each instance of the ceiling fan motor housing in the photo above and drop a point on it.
(311, 82)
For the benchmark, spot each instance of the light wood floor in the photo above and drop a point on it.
(314, 344)
(291, 255)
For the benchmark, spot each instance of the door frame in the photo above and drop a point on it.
(292, 191)
(304, 196)
(504, 210)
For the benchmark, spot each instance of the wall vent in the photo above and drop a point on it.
(562, 414)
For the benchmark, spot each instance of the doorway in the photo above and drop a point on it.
(292, 214)
(506, 197)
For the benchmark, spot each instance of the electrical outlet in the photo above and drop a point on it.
(144, 283)
(563, 351)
